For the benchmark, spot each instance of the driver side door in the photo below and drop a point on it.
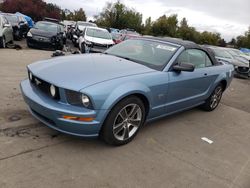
(188, 89)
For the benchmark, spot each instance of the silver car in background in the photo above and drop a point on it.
(241, 65)
(6, 32)
(238, 53)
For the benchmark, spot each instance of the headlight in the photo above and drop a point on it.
(52, 90)
(78, 99)
(85, 100)
(29, 34)
(88, 42)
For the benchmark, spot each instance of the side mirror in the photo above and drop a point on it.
(6, 25)
(184, 67)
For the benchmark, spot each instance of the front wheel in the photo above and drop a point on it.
(213, 101)
(124, 121)
(83, 50)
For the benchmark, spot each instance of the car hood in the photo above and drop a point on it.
(76, 72)
(99, 40)
(235, 62)
(43, 33)
(245, 57)
(242, 61)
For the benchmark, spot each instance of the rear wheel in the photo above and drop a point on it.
(124, 121)
(213, 101)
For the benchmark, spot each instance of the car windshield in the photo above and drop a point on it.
(12, 19)
(149, 53)
(97, 33)
(51, 27)
(222, 53)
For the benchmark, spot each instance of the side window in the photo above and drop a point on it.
(59, 28)
(196, 57)
(183, 57)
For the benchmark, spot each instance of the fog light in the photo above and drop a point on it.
(52, 90)
(30, 76)
(87, 119)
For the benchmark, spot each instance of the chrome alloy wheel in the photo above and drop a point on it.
(216, 97)
(127, 122)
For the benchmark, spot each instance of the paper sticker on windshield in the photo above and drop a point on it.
(164, 47)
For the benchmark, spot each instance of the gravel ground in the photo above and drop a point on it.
(166, 153)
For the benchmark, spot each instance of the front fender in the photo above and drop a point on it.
(125, 90)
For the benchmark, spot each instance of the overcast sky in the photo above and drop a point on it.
(228, 17)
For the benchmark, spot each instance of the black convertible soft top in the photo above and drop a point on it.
(187, 45)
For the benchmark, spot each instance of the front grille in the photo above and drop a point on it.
(41, 39)
(243, 69)
(44, 87)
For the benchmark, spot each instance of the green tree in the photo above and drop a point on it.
(165, 26)
(147, 29)
(243, 41)
(117, 15)
(187, 33)
(210, 38)
(79, 15)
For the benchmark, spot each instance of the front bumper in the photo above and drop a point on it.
(40, 44)
(243, 71)
(50, 112)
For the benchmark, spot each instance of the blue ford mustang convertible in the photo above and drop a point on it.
(113, 94)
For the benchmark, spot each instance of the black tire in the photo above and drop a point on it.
(214, 99)
(18, 35)
(83, 50)
(108, 129)
(60, 46)
(29, 46)
(2, 42)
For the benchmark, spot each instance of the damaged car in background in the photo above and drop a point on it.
(19, 25)
(241, 65)
(6, 32)
(46, 35)
(112, 94)
(94, 39)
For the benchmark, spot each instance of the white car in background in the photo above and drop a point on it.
(94, 39)
(6, 32)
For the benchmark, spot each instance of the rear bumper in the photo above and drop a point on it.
(50, 112)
